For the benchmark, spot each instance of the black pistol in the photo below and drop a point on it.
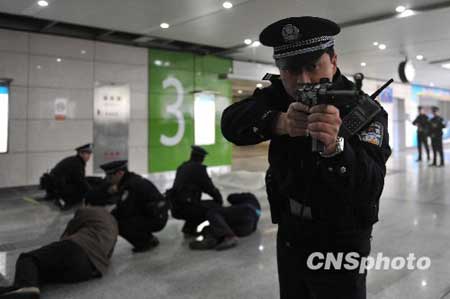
(362, 107)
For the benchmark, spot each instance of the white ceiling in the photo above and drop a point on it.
(207, 22)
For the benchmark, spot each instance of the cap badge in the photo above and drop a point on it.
(290, 33)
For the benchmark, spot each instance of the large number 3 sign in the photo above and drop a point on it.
(174, 109)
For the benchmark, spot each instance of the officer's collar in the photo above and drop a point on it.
(81, 159)
(125, 178)
(339, 81)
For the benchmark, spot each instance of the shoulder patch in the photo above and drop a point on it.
(373, 134)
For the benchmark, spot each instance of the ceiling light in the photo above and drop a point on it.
(382, 46)
(432, 85)
(406, 13)
(248, 41)
(419, 57)
(400, 9)
(239, 91)
(259, 85)
(363, 64)
(38, 67)
(43, 3)
(58, 59)
(158, 62)
(164, 25)
(256, 44)
(446, 66)
(227, 5)
(375, 43)
(83, 52)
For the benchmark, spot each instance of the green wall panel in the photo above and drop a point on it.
(172, 105)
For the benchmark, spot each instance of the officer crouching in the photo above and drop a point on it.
(141, 209)
(322, 201)
(66, 183)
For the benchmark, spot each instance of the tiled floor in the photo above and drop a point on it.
(415, 218)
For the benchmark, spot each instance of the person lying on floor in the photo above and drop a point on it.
(82, 253)
(226, 224)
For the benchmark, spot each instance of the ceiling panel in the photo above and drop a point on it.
(206, 22)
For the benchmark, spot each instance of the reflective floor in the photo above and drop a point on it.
(415, 218)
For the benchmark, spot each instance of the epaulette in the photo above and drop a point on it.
(270, 77)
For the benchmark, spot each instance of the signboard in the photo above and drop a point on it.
(111, 123)
(60, 109)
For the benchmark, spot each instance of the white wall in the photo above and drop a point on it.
(38, 141)
(251, 71)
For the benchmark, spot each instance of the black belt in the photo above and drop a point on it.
(300, 210)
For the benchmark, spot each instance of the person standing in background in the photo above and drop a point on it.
(437, 124)
(423, 130)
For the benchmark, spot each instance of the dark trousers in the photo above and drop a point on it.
(297, 238)
(70, 193)
(138, 230)
(238, 220)
(298, 282)
(422, 140)
(63, 261)
(194, 213)
(436, 144)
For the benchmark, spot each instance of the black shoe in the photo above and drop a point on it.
(152, 243)
(418, 160)
(441, 165)
(432, 164)
(227, 243)
(205, 244)
(22, 293)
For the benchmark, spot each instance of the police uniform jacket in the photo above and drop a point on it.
(247, 199)
(343, 191)
(71, 170)
(137, 197)
(191, 180)
(437, 124)
(423, 124)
